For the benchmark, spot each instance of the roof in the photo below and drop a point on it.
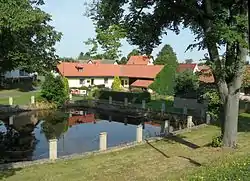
(206, 74)
(142, 83)
(138, 60)
(186, 66)
(89, 118)
(99, 61)
(109, 70)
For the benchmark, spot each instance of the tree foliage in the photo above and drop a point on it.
(116, 85)
(164, 82)
(189, 61)
(123, 61)
(215, 23)
(55, 89)
(26, 39)
(166, 55)
(186, 84)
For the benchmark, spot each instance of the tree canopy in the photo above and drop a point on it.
(215, 23)
(26, 39)
(166, 55)
(189, 61)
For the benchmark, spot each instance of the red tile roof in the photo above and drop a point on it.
(138, 60)
(184, 66)
(142, 83)
(109, 70)
(206, 74)
(89, 118)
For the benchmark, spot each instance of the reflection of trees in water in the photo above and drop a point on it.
(55, 125)
(17, 144)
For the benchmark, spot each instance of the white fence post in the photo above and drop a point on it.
(110, 100)
(139, 133)
(208, 118)
(32, 100)
(165, 127)
(125, 101)
(189, 121)
(143, 104)
(53, 149)
(11, 120)
(103, 141)
(10, 101)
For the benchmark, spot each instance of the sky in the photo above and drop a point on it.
(68, 18)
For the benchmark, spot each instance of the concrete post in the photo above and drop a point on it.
(11, 120)
(103, 141)
(110, 100)
(53, 149)
(208, 118)
(189, 121)
(185, 110)
(110, 118)
(139, 133)
(10, 101)
(143, 104)
(165, 127)
(126, 102)
(163, 107)
(32, 100)
(81, 113)
(70, 97)
(125, 121)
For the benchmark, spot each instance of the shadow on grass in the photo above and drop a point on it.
(181, 140)
(8, 172)
(166, 156)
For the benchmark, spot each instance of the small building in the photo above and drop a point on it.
(140, 60)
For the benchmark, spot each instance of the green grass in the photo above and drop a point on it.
(19, 98)
(178, 158)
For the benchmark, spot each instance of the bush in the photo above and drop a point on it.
(136, 90)
(187, 85)
(54, 90)
(116, 85)
(120, 96)
(217, 142)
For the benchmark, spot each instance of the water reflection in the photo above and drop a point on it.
(25, 136)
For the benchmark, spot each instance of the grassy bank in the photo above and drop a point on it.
(186, 156)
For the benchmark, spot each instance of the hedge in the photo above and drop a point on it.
(120, 96)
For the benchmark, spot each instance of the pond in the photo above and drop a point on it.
(25, 136)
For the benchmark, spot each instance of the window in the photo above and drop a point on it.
(126, 82)
(88, 81)
(106, 80)
(123, 82)
(82, 81)
(92, 81)
(80, 69)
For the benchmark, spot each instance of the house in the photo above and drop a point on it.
(140, 60)
(79, 74)
(188, 66)
(99, 61)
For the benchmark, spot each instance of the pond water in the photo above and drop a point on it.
(25, 136)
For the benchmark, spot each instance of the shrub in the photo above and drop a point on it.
(187, 85)
(136, 90)
(116, 85)
(217, 142)
(120, 96)
(54, 90)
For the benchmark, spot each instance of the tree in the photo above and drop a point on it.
(164, 82)
(165, 55)
(133, 53)
(215, 23)
(189, 61)
(116, 85)
(186, 84)
(123, 61)
(26, 38)
(55, 89)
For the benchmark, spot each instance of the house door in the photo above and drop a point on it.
(92, 81)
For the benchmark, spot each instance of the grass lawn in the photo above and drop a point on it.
(176, 158)
(19, 98)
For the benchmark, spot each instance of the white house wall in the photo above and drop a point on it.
(75, 82)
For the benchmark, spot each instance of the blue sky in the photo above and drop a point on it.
(68, 18)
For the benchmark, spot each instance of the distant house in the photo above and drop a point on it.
(18, 74)
(99, 61)
(103, 74)
(188, 66)
(140, 60)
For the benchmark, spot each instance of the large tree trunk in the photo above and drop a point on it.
(230, 127)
